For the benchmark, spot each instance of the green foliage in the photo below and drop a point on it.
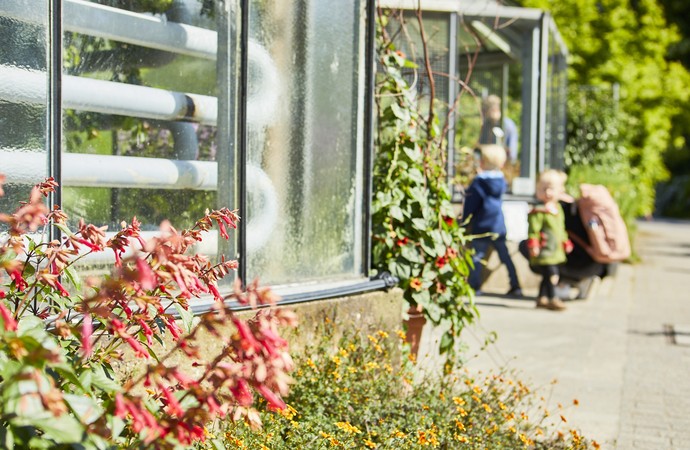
(361, 392)
(60, 344)
(625, 43)
(415, 234)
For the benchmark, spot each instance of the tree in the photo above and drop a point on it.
(625, 43)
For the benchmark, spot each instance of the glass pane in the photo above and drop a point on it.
(23, 98)
(304, 140)
(139, 99)
(556, 85)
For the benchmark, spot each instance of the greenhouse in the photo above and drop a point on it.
(163, 109)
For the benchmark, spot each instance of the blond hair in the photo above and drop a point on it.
(493, 156)
(553, 177)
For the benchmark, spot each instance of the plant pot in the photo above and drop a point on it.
(413, 328)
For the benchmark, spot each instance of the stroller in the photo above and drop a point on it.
(580, 270)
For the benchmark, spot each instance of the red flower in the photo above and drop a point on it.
(448, 220)
(10, 322)
(441, 261)
(242, 393)
(402, 242)
(18, 279)
(274, 402)
(86, 332)
(147, 279)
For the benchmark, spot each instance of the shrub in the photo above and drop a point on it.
(60, 343)
(415, 234)
(360, 392)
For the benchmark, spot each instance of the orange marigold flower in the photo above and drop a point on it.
(416, 284)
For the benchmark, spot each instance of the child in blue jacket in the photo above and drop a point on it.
(483, 205)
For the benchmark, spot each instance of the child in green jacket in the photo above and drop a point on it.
(548, 241)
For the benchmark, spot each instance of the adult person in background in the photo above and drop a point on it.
(498, 130)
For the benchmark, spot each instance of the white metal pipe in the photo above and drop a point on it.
(107, 97)
(120, 25)
(85, 170)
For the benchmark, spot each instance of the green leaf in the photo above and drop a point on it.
(397, 213)
(67, 372)
(447, 341)
(422, 297)
(104, 381)
(62, 429)
(116, 425)
(73, 277)
(187, 317)
(84, 407)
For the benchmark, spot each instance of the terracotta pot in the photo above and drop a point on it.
(413, 329)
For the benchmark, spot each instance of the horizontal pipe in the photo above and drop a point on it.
(107, 97)
(120, 25)
(87, 170)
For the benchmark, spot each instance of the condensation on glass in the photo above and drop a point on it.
(306, 138)
(139, 111)
(141, 132)
(23, 98)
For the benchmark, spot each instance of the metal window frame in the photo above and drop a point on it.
(236, 147)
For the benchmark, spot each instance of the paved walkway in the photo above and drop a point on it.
(624, 352)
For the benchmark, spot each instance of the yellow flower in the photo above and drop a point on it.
(352, 369)
(345, 426)
(373, 339)
(486, 407)
(343, 353)
(371, 365)
(311, 364)
(369, 443)
(288, 412)
(336, 360)
(458, 401)
(382, 334)
(460, 425)
(397, 434)
(401, 334)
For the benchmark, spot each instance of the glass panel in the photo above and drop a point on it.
(139, 98)
(23, 98)
(556, 85)
(409, 40)
(304, 144)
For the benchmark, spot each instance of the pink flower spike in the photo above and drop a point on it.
(120, 408)
(9, 321)
(173, 328)
(274, 402)
(214, 290)
(86, 332)
(19, 280)
(242, 393)
(223, 231)
(147, 278)
(61, 288)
